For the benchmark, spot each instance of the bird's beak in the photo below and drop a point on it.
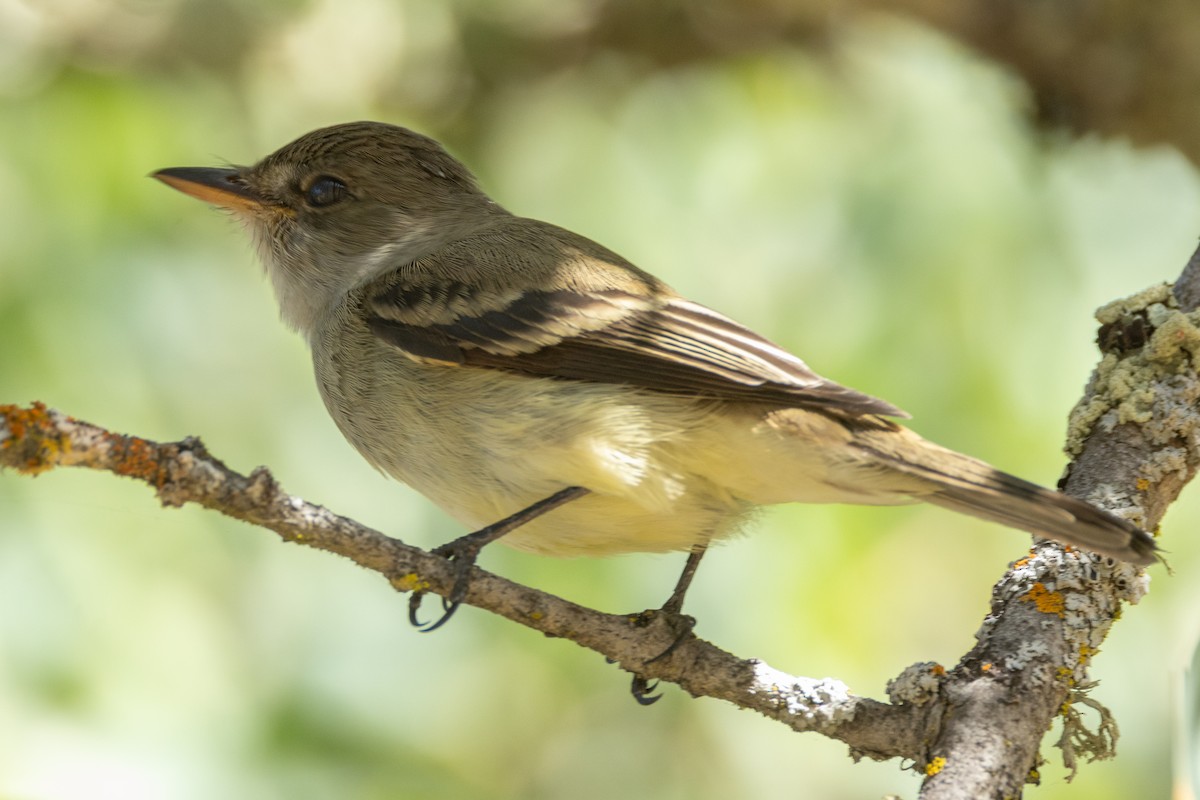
(221, 187)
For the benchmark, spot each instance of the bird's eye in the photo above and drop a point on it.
(325, 191)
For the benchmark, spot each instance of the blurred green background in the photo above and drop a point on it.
(876, 200)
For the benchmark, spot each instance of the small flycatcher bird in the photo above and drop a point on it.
(512, 370)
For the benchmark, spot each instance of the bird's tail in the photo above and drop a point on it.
(970, 486)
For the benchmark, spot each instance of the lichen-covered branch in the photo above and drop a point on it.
(36, 439)
(1134, 441)
(974, 730)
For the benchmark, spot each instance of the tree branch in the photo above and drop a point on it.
(36, 439)
(1135, 444)
(974, 730)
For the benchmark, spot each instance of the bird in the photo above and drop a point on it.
(548, 393)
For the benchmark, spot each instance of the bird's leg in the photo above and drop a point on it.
(641, 689)
(463, 551)
(674, 604)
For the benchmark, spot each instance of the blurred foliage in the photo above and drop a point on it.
(873, 198)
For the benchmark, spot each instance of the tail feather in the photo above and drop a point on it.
(970, 486)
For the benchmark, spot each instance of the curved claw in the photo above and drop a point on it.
(462, 556)
(449, 606)
(433, 626)
(641, 690)
(414, 605)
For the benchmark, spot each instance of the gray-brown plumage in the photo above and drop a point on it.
(491, 360)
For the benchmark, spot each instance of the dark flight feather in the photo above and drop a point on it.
(611, 336)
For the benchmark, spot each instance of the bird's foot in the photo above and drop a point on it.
(643, 691)
(681, 626)
(463, 551)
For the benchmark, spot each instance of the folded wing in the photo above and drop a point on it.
(608, 336)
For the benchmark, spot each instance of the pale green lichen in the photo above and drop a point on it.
(1048, 586)
(1154, 386)
(1078, 739)
(917, 684)
(1176, 338)
(1114, 311)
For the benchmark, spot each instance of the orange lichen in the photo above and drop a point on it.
(937, 669)
(1142, 484)
(135, 458)
(985, 666)
(18, 419)
(1047, 602)
(32, 430)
